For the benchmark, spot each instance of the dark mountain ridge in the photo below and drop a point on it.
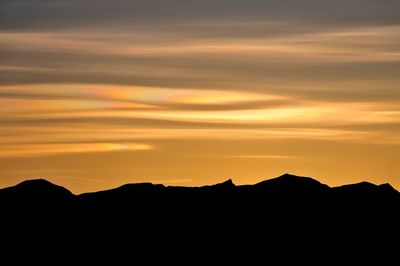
(288, 207)
(286, 184)
(41, 193)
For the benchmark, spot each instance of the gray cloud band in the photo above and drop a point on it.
(42, 14)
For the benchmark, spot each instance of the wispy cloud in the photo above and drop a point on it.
(259, 156)
(52, 118)
(23, 150)
(354, 44)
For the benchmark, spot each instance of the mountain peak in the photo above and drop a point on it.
(40, 182)
(37, 190)
(292, 183)
(290, 178)
(288, 175)
(227, 183)
(39, 186)
(387, 188)
(223, 186)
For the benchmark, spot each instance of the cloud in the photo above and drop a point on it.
(74, 13)
(9, 150)
(376, 43)
(95, 72)
(357, 63)
(273, 157)
(58, 118)
(77, 97)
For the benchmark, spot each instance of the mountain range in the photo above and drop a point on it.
(286, 190)
(289, 213)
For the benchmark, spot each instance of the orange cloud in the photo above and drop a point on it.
(350, 44)
(46, 149)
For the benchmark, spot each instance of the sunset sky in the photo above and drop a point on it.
(98, 93)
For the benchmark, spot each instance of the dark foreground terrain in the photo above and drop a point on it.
(288, 196)
(289, 212)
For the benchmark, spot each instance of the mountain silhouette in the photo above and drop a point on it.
(38, 193)
(287, 210)
(38, 188)
(367, 188)
(288, 183)
(291, 190)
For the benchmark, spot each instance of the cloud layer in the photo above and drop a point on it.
(128, 76)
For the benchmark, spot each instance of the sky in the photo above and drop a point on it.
(98, 93)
